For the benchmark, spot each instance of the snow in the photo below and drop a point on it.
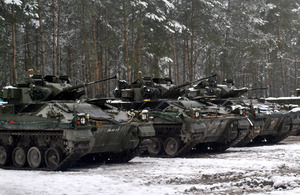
(168, 4)
(271, 6)
(177, 26)
(282, 98)
(16, 2)
(142, 3)
(165, 60)
(9, 87)
(259, 21)
(295, 110)
(270, 169)
(155, 17)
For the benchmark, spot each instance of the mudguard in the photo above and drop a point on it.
(146, 130)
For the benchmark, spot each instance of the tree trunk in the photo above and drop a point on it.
(175, 59)
(14, 68)
(175, 66)
(224, 56)
(36, 63)
(42, 39)
(133, 52)
(191, 74)
(227, 20)
(106, 70)
(188, 57)
(280, 58)
(126, 61)
(69, 62)
(58, 39)
(155, 69)
(184, 60)
(54, 38)
(138, 51)
(28, 52)
(87, 70)
(296, 74)
(96, 75)
(138, 47)
(101, 71)
(271, 82)
(99, 56)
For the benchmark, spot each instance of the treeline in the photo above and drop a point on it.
(255, 43)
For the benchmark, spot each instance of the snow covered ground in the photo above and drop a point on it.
(251, 170)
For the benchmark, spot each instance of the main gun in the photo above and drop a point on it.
(87, 84)
(237, 92)
(174, 91)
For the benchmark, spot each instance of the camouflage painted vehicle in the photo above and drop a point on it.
(181, 125)
(270, 125)
(120, 135)
(289, 105)
(42, 127)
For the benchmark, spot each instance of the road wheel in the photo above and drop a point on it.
(4, 155)
(53, 157)
(155, 146)
(19, 157)
(35, 157)
(171, 146)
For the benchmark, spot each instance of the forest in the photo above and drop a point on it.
(255, 43)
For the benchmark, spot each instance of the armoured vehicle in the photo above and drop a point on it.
(270, 124)
(289, 105)
(181, 125)
(43, 127)
(120, 135)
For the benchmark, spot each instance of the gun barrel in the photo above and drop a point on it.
(94, 82)
(180, 86)
(214, 75)
(172, 90)
(259, 88)
(86, 84)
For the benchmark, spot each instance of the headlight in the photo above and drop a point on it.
(242, 112)
(145, 115)
(195, 112)
(82, 120)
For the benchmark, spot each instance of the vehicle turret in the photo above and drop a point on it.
(38, 88)
(210, 89)
(146, 88)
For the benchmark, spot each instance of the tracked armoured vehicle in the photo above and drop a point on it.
(43, 127)
(290, 105)
(181, 125)
(270, 125)
(120, 135)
